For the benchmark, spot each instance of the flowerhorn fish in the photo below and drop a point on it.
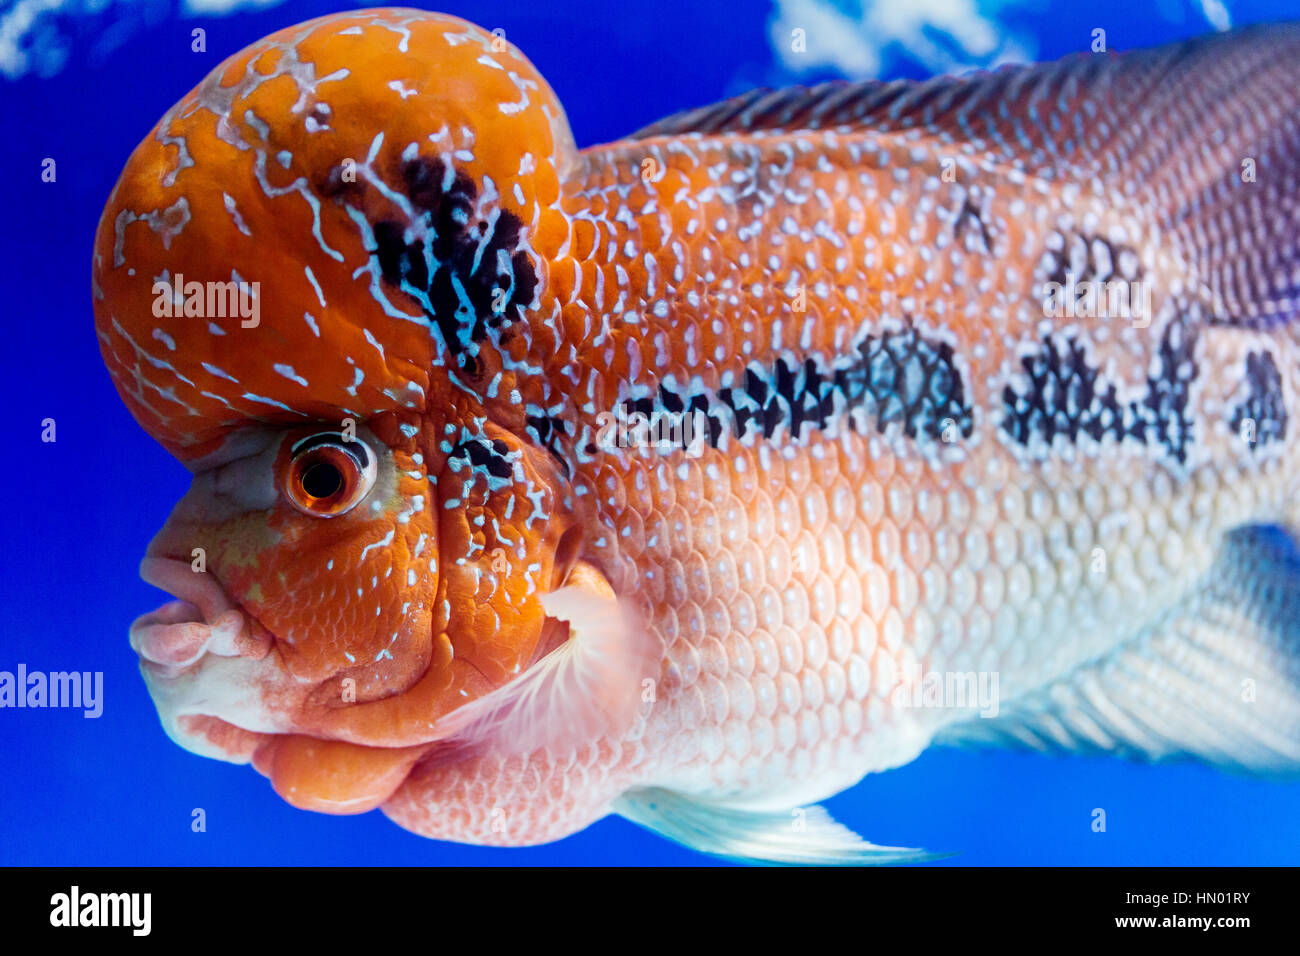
(694, 476)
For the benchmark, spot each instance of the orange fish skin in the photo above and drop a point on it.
(787, 586)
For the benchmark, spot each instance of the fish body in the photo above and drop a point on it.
(696, 475)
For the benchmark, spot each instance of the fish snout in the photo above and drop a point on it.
(202, 620)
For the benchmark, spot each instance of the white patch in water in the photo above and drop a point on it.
(862, 40)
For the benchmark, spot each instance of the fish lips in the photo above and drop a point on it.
(203, 661)
(202, 620)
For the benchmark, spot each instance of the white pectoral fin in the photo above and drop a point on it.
(587, 688)
(1216, 678)
(805, 836)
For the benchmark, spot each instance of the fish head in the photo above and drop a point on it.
(316, 285)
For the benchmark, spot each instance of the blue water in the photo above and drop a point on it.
(79, 512)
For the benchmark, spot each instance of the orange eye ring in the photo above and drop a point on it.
(328, 475)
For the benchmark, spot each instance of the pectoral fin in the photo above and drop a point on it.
(586, 688)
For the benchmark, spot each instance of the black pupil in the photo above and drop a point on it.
(321, 480)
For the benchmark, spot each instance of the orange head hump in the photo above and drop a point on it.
(287, 187)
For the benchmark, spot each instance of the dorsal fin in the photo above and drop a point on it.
(1205, 133)
(1081, 103)
(960, 105)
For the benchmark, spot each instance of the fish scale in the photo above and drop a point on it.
(904, 464)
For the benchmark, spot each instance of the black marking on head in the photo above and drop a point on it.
(1264, 404)
(1066, 397)
(475, 276)
(487, 455)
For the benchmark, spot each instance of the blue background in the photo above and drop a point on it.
(79, 512)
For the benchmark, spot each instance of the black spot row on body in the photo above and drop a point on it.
(899, 376)
(1066, 398)
(1264, 404)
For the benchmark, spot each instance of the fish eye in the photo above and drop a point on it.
(328, 474)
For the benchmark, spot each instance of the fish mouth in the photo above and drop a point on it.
(204, 662)
(200, 621)
(220, 693)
